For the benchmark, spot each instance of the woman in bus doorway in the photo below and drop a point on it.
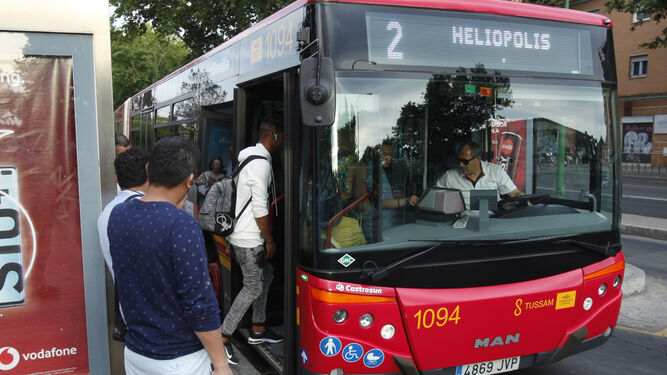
(208, 178)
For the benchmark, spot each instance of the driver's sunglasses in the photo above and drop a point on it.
(466, 161)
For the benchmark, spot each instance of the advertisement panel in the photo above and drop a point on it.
(42, 301)
(509, 148)
(637, 143)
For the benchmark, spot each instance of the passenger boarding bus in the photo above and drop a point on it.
(380, 268)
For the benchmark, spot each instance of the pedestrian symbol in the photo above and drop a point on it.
(353, 352)
(330, 346)
(304, 357)
(373, 358)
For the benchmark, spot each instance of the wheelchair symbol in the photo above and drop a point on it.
(353, 352)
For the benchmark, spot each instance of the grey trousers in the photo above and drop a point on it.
(255, 291)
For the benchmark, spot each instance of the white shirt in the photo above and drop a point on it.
(253, 181)
(494, 177)
(103, 223)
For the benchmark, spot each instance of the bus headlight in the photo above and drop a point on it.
(617, 281)
(602, 289)
(340, 316)
(366, 320)
(388, 332)
(588, 303)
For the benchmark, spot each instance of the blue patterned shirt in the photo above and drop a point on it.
(163, 284)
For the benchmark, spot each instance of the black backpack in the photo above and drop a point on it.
(217, 212)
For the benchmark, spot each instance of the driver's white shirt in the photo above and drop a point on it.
(494, 177)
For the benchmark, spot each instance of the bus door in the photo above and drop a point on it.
(252, 103)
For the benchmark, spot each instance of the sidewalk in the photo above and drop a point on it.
(644, 226)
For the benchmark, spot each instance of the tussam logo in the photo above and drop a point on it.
(9, 358)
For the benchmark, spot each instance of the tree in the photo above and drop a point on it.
(202, 24)
(141, 59)
(657, 9)
(553, 3)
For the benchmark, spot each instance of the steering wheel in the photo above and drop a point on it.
(511, 203)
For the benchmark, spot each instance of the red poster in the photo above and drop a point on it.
(508, 139)
(42, 307)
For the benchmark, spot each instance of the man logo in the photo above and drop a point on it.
(9, 358)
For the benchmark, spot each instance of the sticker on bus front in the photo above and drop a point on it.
(353, 352)
(330, 346)
(304, 356)
(373, 358)
(346, 260)
(11, 267)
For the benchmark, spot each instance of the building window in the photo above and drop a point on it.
(640, 17)
(638, 66)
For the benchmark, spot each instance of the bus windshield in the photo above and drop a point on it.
(396, 135)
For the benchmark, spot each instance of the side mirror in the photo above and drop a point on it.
(318, 94)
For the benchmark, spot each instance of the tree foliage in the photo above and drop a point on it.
(202, 24)
(141, 59)
(657, 9)
(553, 3)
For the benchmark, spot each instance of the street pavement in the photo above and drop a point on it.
(645, 312)
(645, 196)
(644, 215)
(645, 207)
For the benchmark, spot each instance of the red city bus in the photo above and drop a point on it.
(377, 97)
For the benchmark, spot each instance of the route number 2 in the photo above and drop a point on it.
(391, 53)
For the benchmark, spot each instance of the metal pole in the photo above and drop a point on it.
(560, 163)
(560, 159)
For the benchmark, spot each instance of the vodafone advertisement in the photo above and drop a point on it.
(42, 307)
(508, 140)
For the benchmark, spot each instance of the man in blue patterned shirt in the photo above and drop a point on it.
(159, 260)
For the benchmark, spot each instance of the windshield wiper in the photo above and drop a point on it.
(610, 249)
(382, 272)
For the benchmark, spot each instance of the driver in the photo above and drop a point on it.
(474, 173)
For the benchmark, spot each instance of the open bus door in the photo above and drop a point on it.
(276, 94)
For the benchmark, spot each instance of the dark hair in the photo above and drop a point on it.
(210, 163)
(171, 161)
(270, 123)
(122, 140)
(130, 168)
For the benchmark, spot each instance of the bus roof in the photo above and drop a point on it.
(502, 7)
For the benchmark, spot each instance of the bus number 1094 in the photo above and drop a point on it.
(431, 317)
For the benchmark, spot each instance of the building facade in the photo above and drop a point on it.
(642, 84)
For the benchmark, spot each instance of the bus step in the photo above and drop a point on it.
(272, 353)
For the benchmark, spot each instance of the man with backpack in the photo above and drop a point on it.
(130, 166)
(252, 241)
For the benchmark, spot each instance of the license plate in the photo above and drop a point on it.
(490, 367)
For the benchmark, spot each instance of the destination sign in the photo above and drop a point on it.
(447, 41)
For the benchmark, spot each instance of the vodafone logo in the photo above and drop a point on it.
(9, 358)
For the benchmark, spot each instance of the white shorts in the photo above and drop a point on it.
(197, 363)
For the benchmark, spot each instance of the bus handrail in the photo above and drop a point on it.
(342, 213)
(272, 207)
